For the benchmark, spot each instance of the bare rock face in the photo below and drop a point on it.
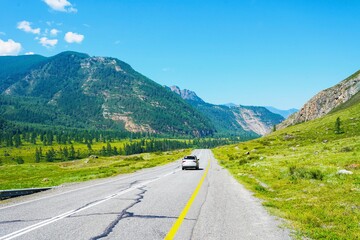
(325, 101)
(232, 117)
(186, 94)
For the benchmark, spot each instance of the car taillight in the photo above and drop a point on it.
(194, 161)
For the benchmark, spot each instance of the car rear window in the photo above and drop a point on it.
(189, 157)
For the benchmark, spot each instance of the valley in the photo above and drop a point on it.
(100, 118)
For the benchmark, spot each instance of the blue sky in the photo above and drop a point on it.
(249, 52)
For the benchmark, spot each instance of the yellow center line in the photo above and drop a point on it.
(175, 227)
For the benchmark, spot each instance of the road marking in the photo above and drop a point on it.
(72, 212)
(175, 227)
(136, 174)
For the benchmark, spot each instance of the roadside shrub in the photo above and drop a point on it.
(265, 142)
(250, 158)
(346, 149)
(243, 161)
(303, 173)
(260, 188)
(136, 158)
(19, 160)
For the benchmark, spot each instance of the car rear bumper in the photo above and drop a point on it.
(189, 165)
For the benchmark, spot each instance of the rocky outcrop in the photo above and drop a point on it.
(186, 94)
(325, 101)
(250, 120)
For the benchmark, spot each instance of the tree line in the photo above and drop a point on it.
(66, 153)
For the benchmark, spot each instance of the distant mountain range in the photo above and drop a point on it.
(231, 118)
(284, 113)
(75, 90)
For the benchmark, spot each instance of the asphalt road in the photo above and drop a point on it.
(144, 205)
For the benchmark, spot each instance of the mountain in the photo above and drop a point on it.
(230, 104)
(186, 94)
(284, 113)
(234, 119)
(328, 100)
(75, 90)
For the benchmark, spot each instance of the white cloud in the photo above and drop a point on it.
(48, 42)
(54, 32)
(61, 5)
(25, 26)
(29, 53)
(9, 47)
(71, 37)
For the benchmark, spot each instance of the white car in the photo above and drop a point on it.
(190, 162)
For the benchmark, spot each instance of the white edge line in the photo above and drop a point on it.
(74, 190)
(69, 213)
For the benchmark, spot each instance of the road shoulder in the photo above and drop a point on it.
(232, 212)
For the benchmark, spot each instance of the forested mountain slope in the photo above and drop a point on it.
(75, 90)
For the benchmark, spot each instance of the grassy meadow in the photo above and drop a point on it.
(26, 151)
(43, 174)
(295, 172)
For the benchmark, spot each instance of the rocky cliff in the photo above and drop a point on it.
(186, 94)
(249, 121)
(325, 101)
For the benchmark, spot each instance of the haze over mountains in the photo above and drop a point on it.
(75, 90)
(234, 118)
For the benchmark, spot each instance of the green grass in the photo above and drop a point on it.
(43, 174)
(27, 150)
(294, 172)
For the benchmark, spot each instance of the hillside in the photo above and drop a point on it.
(75, 90)
(249, 121)
(296, 171)
(326, 101)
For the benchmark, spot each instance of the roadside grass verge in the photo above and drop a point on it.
(294, 172)
(46, 174)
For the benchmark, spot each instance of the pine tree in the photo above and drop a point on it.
(33, 138)
(65, 154)
(338, 129)
(17, 140)
(37, 155)
(108, 149)
(72, 152)
(274, 128)
(115, 151)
